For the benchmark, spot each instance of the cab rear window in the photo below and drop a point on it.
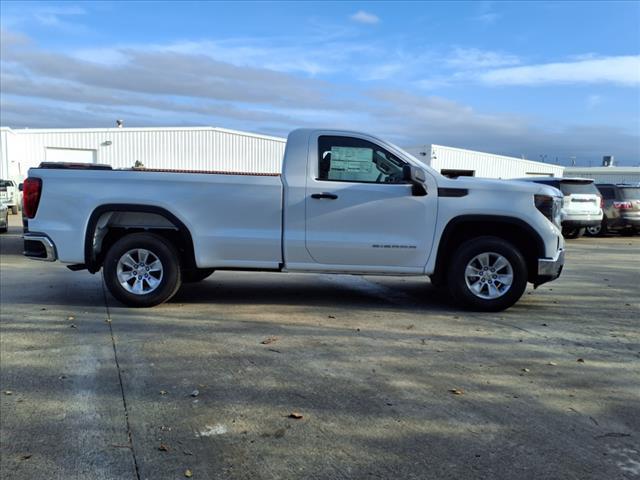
(571, 187)
(630, 193)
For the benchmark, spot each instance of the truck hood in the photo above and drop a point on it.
(473, 183)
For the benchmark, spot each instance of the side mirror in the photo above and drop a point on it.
(19, 187)
(416, 177)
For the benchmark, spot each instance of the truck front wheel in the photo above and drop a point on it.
(487, 274)
(142, 270)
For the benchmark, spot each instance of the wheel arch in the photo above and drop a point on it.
(462, 228)
(170, 227)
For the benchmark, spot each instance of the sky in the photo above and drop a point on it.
(552, 81)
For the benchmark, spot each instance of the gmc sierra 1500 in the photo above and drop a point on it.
(345, 202)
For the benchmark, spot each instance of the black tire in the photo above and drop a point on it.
(594, 231)
(197, 275)
(462, 294)
(14, 210)
(572, 233)
(162, 249)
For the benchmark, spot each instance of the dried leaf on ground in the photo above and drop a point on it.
(269, 340)
(553, 364)
(71, 317)
(163, 447)
(409, 327)
(188, 473)
(195, 393)
(295, 415)
(330, 316)
(526, 370)
(456, 391)
(26, 457)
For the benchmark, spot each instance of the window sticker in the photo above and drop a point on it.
(351, 159)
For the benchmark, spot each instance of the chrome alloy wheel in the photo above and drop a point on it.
(489, 275)
(594, 230)
(139, 271)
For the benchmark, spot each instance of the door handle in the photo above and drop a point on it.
(329, 196)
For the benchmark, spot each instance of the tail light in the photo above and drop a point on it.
(601, 202)
(31, 190)
(622, 205)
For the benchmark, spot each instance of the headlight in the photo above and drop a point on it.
(550, 207)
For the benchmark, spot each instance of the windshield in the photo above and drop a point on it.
(630, 193)
(569, 187)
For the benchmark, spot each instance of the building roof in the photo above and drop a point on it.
(20, 131)
(601, 170)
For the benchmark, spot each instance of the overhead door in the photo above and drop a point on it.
(75, 155)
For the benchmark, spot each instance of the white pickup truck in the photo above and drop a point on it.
(345, 202)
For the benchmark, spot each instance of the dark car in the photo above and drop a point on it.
(621, 206)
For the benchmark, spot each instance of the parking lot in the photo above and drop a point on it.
(389, 380)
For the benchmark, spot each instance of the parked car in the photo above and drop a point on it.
(621, 206)
(10, 195)
(345, 202)
(4, 218)
(581, 203)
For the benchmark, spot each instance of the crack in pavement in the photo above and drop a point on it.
(124, 398)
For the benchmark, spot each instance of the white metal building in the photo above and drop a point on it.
(606, 174)
(184, 148)
(211, 149)
(458, 161)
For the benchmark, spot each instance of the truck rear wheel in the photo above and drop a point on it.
(487, 274)
(142, 270)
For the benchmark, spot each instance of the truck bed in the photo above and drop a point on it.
(235, 219)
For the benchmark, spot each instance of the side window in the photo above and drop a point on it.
(608, 193)
(348, 159)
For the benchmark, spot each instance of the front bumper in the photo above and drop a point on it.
(39, 247)
(549, 268)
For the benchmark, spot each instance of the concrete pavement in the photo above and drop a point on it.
(547, 389)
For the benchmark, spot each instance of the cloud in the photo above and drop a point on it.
(365, 17)
(593, 101)
(48, 16)
(487, 18)
(474, 58)
(54, 15)
(621, 70)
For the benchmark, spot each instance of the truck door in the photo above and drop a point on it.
(360, 211)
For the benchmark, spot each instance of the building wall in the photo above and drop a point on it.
(5, 135)
(199, 148)
(606, 174)
(207, 148)
(485, 165)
